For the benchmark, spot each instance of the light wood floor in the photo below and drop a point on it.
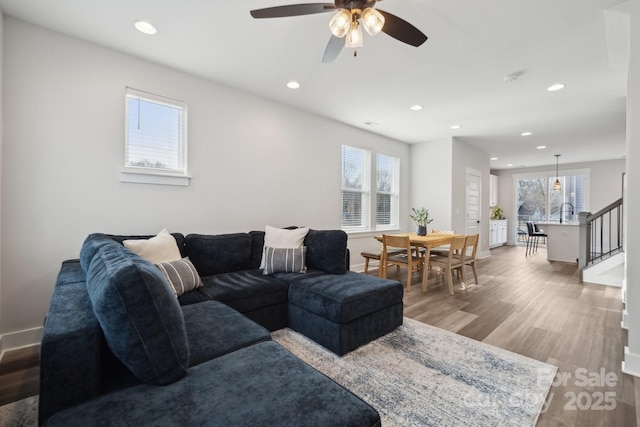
(523, 304)
(539, 309)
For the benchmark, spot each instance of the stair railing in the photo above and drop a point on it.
(601, 234)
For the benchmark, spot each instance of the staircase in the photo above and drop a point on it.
(601, 256)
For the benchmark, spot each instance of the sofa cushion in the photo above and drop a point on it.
(343, 298)
(223, 253)
(91, 246)
(181, 275)
(260, 385)
(139, 314)
(245, 290)
(215, 329)
(284, 260)
(327, 251)
(158, 249)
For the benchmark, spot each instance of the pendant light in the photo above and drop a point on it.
(556, 185)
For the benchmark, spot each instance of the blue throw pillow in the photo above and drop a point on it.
(139, 315)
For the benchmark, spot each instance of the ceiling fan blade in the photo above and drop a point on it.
(333, 49)
(401, 30)
(293, 10)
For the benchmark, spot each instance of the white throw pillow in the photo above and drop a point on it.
(158, 249)
(282, 238)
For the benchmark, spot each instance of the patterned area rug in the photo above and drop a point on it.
(419, 375)
(23, 413)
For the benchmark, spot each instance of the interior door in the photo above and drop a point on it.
(474, 182)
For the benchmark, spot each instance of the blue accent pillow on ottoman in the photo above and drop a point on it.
(139, 314)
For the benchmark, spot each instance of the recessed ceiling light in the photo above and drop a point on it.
(494, 158)
(526, 133)
(557, 86)
(416, 107)
(145, 27)
(293, 84)
(541, 147)
(509, 165)
(455, 127)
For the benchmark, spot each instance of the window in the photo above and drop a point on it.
(357, 199)
(386, 192)
(537, 201)
(355, 188)
(155, 135)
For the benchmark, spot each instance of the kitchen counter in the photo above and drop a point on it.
(562, 240)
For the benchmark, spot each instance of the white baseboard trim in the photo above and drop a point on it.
(625, 320)
(631, 363)
(20, 339)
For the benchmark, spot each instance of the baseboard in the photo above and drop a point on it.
(20, 339)
(631, 363)
(625, 320)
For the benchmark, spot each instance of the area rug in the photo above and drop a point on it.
(419, 375)
(23, 413)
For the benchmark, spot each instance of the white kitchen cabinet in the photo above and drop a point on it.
(493, 190)
(498, 233)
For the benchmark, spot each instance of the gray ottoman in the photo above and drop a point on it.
(343, 312)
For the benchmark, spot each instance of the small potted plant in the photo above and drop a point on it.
(421, 218)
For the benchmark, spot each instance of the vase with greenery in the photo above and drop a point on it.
(497, 213)
(421, 218)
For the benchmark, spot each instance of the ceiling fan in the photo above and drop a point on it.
(346, 23)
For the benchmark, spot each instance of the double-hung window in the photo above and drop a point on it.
(362, 209)
(355, 188)
(155, 137)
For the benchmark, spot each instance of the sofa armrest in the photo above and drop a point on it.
(70, 350)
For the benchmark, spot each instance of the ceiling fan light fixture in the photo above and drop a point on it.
(372, 20)
(354, 36)
(340, 23)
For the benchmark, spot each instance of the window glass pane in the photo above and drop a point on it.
(383, 209)
(352, 168)
(352, 209)
(355, 187)
(386, 191)
(155, 134)
(532, 200)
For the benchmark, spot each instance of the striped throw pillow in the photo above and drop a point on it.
(290, 260)
(181, 275)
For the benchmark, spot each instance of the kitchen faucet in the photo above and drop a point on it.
(561, 207)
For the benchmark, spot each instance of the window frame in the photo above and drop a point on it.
(152, 175)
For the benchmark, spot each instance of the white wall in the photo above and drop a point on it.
(253, 162)
(466, 156)
(1, 136)
(431, 181)
(631, 364)
(605, 185)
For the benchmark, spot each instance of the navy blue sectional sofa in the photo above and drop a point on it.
(119, 348)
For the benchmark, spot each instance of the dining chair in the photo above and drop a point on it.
(373, 255)
(441, 250)
(453, 260)
(470, 250)
(407, 258)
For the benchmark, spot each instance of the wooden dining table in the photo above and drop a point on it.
(428, 242)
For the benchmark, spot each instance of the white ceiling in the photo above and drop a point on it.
(458, 74)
